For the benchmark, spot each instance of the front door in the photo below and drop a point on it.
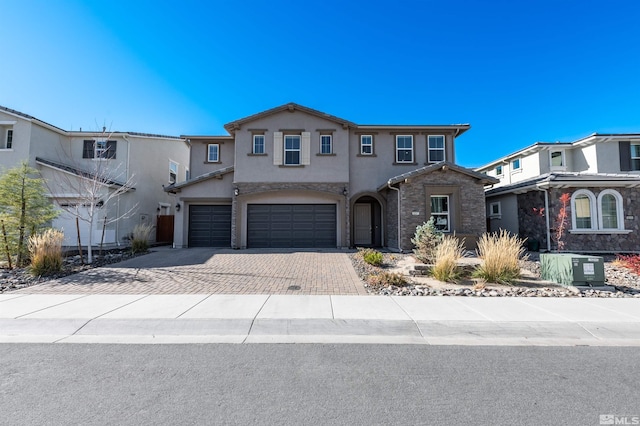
(362, 224)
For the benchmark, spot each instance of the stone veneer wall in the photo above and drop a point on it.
(531, 225)
(264, 187)
(468, 208)
(391, 222)
(587, 242)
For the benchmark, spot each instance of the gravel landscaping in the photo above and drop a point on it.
(622, 282)
(17, 278)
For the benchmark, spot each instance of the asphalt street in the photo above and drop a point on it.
(315, 384)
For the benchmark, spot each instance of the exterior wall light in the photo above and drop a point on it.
(178, 207)
(236, 191)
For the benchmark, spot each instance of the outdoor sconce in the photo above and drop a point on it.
(236, 191)
(178, 207)
(345, 191)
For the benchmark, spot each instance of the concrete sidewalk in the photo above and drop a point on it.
(68, 318)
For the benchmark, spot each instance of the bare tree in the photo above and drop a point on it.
(91, 190)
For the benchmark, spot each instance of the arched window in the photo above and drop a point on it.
(583, 211)
(610, 215)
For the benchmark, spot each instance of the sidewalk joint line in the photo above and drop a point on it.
(460, 302)
(208, 296)
(407, 313)
(51, 306)
(254, 319)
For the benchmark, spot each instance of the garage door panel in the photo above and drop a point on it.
(209, 226)
(291, 225)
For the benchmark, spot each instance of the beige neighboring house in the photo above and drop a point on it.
(293, 176)
(68, 159)
(600, 172)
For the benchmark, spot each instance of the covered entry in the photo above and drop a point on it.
(209, 226)
(367, 222)
(291, 225)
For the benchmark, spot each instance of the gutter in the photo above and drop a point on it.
(399, 217)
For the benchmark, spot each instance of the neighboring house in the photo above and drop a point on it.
(292, 176)
(601, 173)
(67, 159)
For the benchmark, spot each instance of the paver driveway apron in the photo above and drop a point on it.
(217, 271)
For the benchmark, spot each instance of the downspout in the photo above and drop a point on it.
(399, 219)
(127, 179)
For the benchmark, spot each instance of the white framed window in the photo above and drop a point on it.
(435, 145)
(326, 144)
(635, 156)
(187, 174)
(292, 149)
(258, 144)
(499, 171)
(556, 160)
(8, 140)
(100, 149)
(366, 144)
(213, 153)
(515, 165)
(610, 214)
(583, 208)
(440, 212)
(495, 209)
(404, 148)
(173, 171)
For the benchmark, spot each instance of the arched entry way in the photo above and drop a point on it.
(367, 222)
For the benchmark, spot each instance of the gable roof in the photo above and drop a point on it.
(217, 174)
(445, 165)
(80, 173)
(291, 106)
(566, 180)
(31, 118)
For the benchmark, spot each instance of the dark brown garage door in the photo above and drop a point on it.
(209, 226)
(291, 225)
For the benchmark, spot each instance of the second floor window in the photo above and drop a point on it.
(8, 142)
(498, 170)
(258, 144)
(292, 149)
(366, 144)
(173, 172)
(515, 165)
(635, 156)
(213, 153)
(404, 149)
(436, 148)
(325, 144)
(99, 149)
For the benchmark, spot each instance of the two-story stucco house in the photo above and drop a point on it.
(600, 172)
(68, 159)
(293, 176)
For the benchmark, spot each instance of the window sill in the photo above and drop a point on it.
(366, 155)
(495, 216)
(405, 163)
(513, 172)
(291, 165)
(6, 149)
(600, 231)
(558, 168)
(253, 154)
(433, 162)
(325, 155)
(212, 162)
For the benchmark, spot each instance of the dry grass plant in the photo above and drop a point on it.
(500, 253)
(140, 238)
(46, 252)
(447, 254)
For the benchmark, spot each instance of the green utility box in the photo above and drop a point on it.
(572, 269)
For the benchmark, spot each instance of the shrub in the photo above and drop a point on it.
(500, 253)
(387, 279)
(46, 252)
(140, 238)
(631, 262)
(447, 254)
(425, 240)
(372, 257)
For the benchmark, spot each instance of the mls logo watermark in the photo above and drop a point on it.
(611, 419)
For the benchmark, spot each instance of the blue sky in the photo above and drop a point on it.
(517, 71)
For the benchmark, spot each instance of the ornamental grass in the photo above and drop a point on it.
(500, 253)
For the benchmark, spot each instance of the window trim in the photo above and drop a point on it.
(412, 160)
(497, 215)
(443, 149)
(632, 158)
(177, 167)
(253, 144)
(98, 153)
(285, 150)
(330, 136)
(519, 168)
(362, 145)
(448, 213)
(592, 209)
(217, 152)
(8, 144)
(501, 170)
(563, 157)
(619, 212)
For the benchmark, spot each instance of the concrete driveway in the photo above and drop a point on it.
(216, 271)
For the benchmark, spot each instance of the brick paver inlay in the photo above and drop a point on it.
(216, 271)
